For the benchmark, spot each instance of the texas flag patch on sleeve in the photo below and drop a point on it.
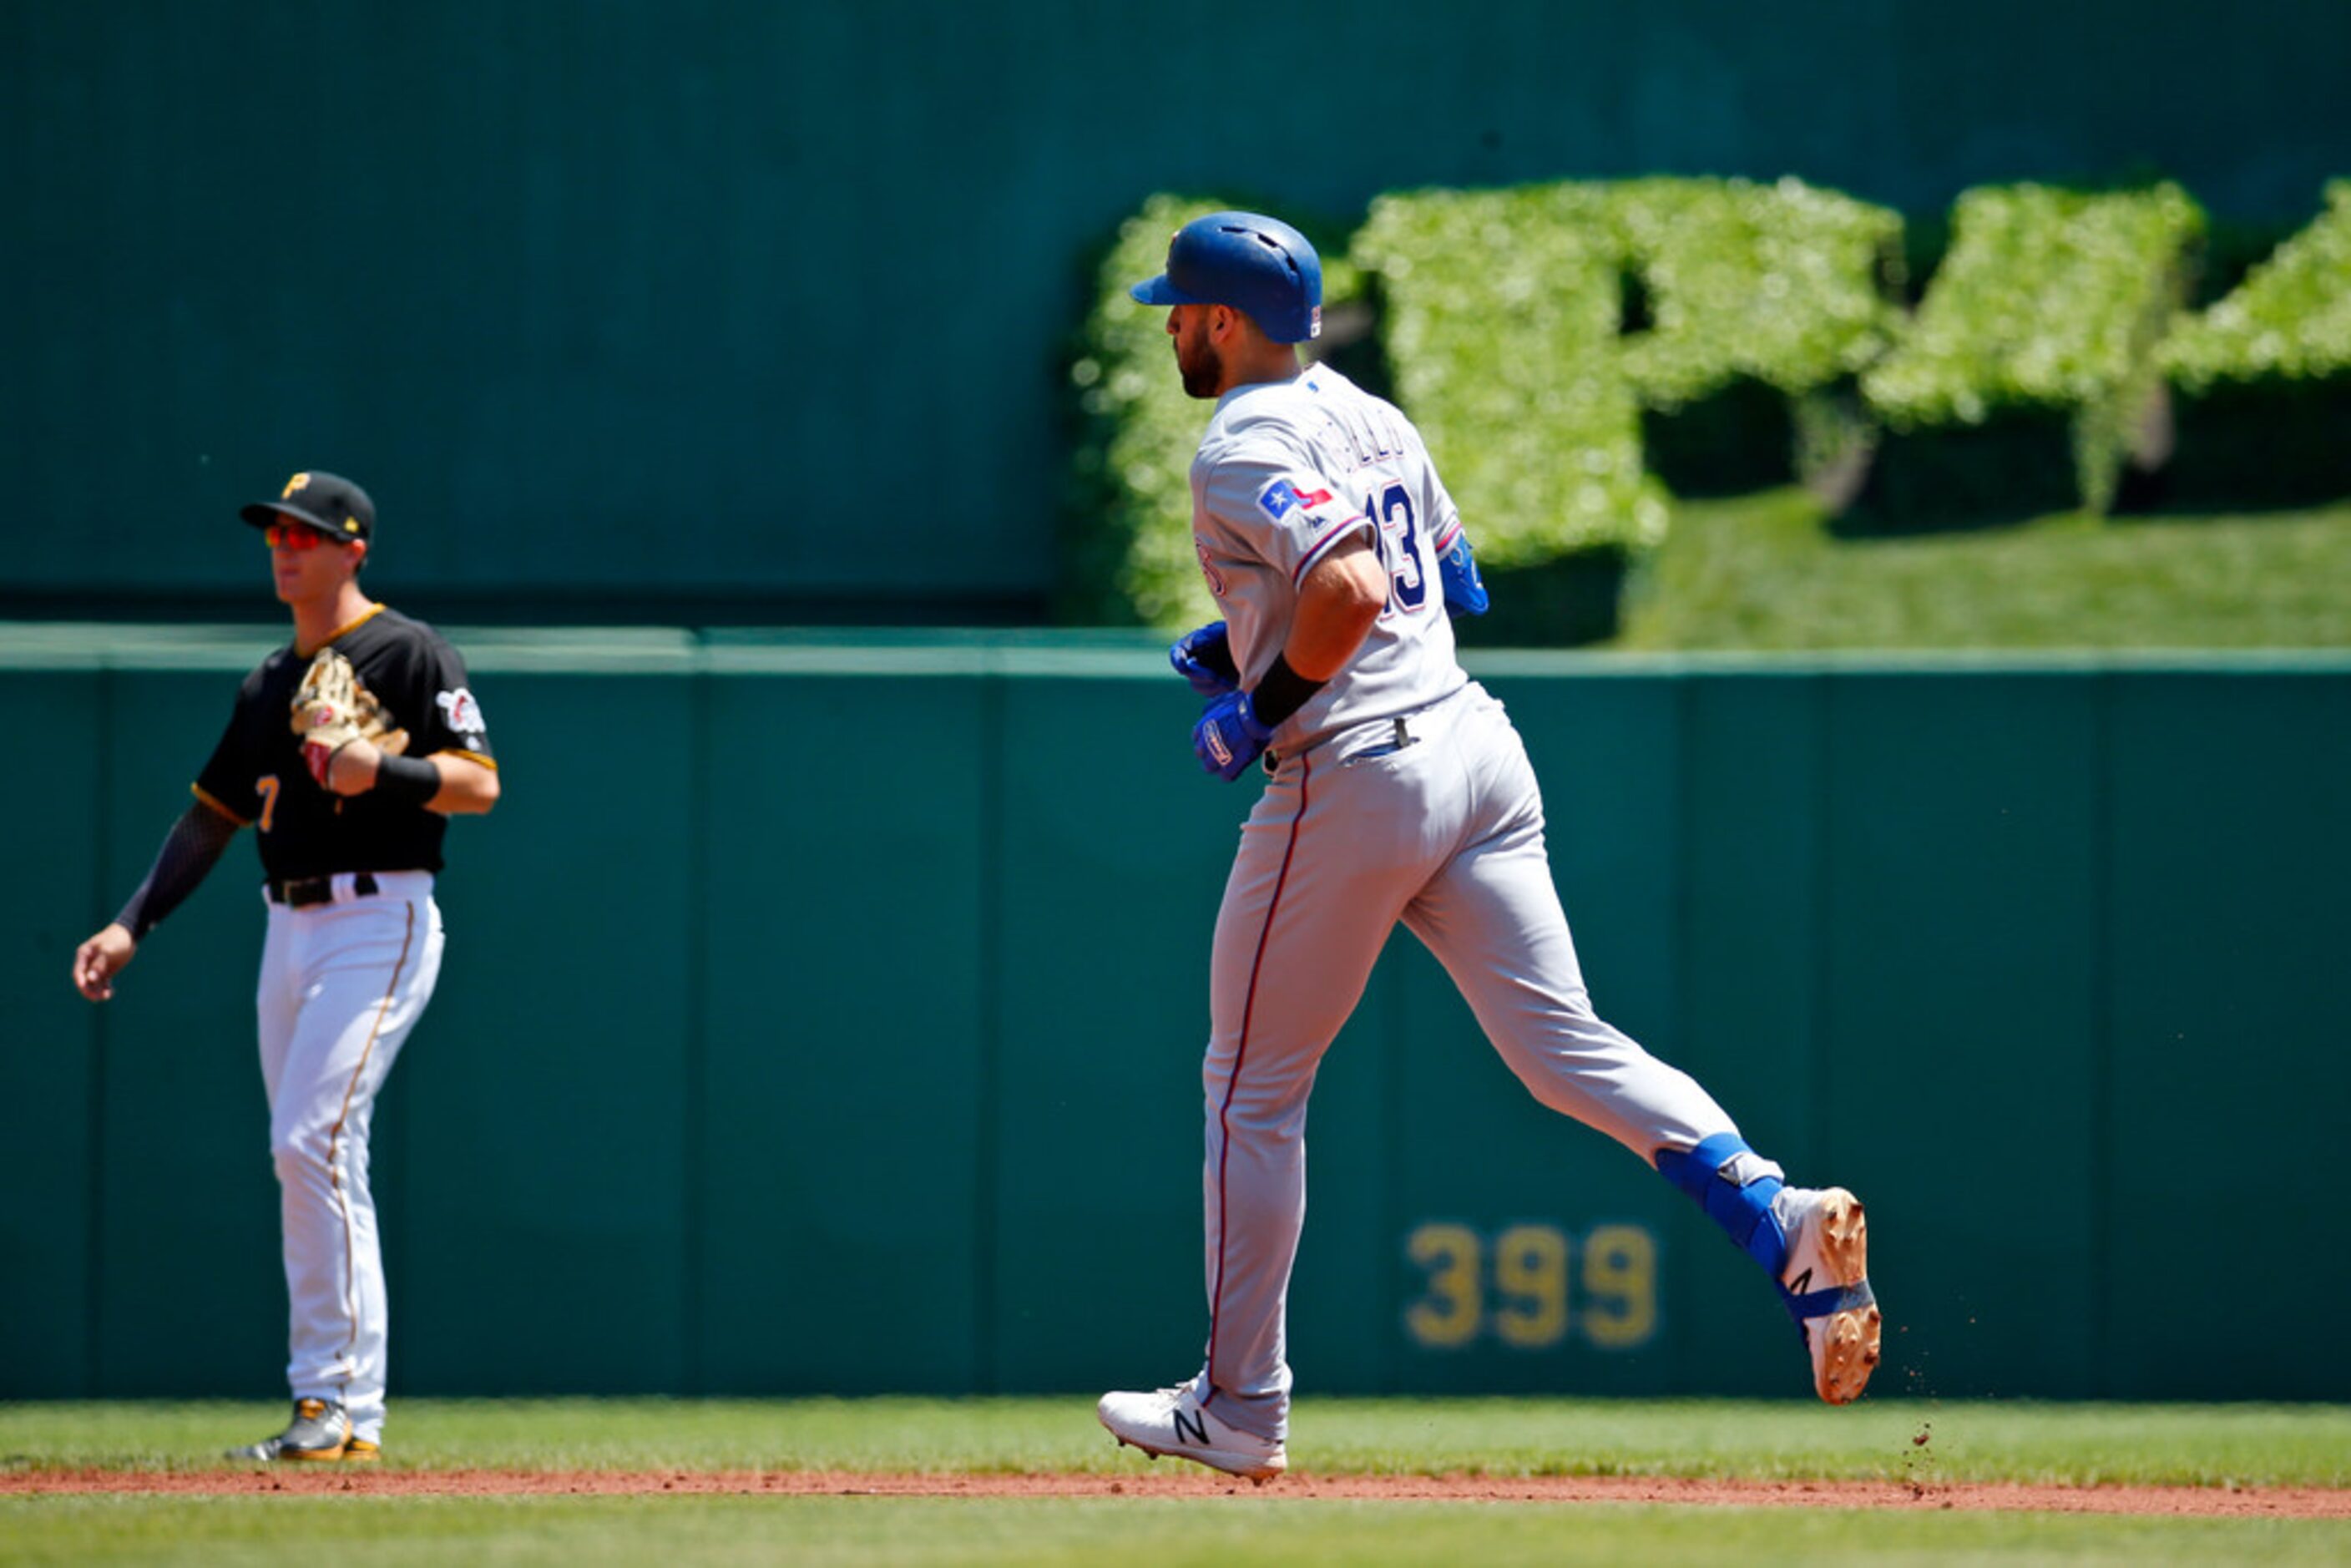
(1281, 497)
(1278, 500)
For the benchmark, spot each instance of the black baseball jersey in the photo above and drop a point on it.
(256, 773)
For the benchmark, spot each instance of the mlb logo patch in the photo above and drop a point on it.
(1278, 500)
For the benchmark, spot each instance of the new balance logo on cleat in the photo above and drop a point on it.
(1171, 1422)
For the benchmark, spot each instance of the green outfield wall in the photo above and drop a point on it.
(732, 309)
(825, 1016)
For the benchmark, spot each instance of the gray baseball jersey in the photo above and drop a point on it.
(1287, 470)
(1401, 792)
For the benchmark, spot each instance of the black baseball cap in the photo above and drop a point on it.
(327, 502)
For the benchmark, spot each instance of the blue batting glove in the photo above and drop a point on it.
(1205, 658)
(1230, 736)
(1465, 594)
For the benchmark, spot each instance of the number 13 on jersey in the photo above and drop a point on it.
(1391, 509)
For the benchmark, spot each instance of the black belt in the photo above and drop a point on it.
(301, 892)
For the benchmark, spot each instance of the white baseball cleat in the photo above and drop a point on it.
(1826, 1286)
(1172, 1422)
(320, 1431)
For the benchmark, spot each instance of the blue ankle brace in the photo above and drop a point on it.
(1743, 1212)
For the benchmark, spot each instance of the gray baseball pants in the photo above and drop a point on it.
(1445, 833)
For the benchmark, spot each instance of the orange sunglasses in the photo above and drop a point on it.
(293, 536)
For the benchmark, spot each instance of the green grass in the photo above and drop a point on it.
(2243, 1445)
(2251, 1444)
(1763, 573)
(1219, 1533)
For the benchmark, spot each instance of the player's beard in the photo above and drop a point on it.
(1202, 367)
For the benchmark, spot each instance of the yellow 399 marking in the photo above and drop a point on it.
(1515, 1288)
(267, 785)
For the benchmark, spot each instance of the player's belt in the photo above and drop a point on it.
(1379, 739)
(301, 892)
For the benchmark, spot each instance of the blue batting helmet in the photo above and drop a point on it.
(1259, 265)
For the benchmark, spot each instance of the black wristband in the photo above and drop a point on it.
(410, 778)
(1283, 691)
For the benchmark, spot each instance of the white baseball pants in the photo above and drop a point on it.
(341, 985)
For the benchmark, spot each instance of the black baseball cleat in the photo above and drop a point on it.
(320, 1433)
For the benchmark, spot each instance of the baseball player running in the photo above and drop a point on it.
(1395, 789)
(348, 751)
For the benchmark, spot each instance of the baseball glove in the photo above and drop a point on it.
(332, 708)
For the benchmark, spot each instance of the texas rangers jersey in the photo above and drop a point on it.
(256, 774)
(1286, 472)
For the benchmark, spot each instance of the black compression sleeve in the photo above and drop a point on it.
(1281, 693)
(189, 852)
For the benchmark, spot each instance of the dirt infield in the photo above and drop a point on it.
(2279, 1502)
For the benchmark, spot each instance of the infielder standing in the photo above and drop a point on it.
(1396, 789)
(348, 750)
